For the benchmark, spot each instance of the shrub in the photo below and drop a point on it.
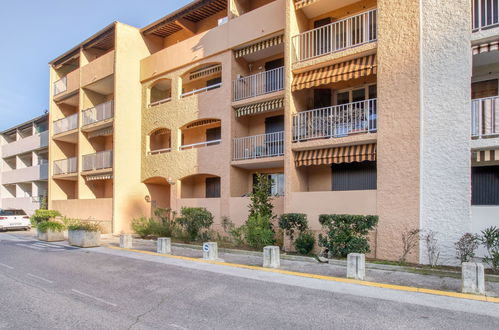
(490, 239)
(258, 231)
(236, 234)
(260, 198)
(84, 225)
(193, 220)
(466, 247)
(289, 222)
(50, 225)
(43, 215)
(410, 240)
(166, 224)
(305, 242)
(346, 233)
(142, 226)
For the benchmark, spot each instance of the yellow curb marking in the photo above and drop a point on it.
(327, 278)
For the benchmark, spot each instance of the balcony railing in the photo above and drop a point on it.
(98, 113)
(98, 161)
(200, 144)
(66, 124)
(485, 14)
(202, 90)
(259, 146)
(336, 121)
(168, 99)
(65, 166)
(60, 86)
(485, 117)
(159, 151)
(337, 36)
(258, 84)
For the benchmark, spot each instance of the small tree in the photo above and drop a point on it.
(289, 222)
(410, 240)
(41, 215)
(490, 239)
(466, 247)
(261, 201)
(194, 219)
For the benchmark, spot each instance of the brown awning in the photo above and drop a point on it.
(486, 47)
(260, 107)
(258, 46)
(348, 154)
(353, 69)
(483, 156)
(302, 3)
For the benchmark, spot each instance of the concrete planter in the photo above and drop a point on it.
(83, 238)
(50, 236)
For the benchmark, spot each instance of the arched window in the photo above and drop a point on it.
(159, 141)
(202, 79)
(201, 133)
(160, 92)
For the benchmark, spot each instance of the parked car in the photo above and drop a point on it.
(14, 219)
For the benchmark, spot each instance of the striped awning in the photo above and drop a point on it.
(353, 69)
(253, 48)
(486, 47)
(206, 71)
(202, 122)
(102, 132)
(348, 154)
(484, 156)
(96, 177)
(302, 3)
(261, 107)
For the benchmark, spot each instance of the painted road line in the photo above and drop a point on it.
(31, 246)
(6, 266)
(93, 297)
(327, 278)
(39, 278)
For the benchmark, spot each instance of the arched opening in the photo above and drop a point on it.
(160, 141)
(201, 133)
(160, 92)
(159, 193)
(200, 186)
(202, 79)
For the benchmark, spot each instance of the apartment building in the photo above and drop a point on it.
(24, 165)
(355, 107)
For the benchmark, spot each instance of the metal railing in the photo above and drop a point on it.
(200, 144)
(65, 166)
(337, 36)
(485, 14)
(336, 121)
(159, 151)
(201, 90)
(258, 146)
(98, 161)
(98, 113)
(66, 124)
(60, 86)
(168, 99)
(258, 84)
(485, 117)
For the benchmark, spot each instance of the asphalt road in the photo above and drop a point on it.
(49, 286)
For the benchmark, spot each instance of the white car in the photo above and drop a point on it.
(14, 219)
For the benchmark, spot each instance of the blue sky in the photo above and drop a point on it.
(33, 32)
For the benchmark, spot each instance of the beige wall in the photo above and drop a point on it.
(99, 210)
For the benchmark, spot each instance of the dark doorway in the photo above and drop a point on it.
(322, 98)
(212, 187)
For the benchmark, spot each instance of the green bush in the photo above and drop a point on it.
(291, 222)
(143, 226)
(236, 234)
(466, 247)
(193, 220)
(258, 231)
(346, 233)
(84, 225)
(305, 242)
(164, 225)
(50, 225)
(490, 239)
(43, 215)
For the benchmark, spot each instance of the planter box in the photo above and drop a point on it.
(84, 238)
(50, 236)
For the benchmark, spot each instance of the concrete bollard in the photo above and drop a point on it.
(210, 251)
(356, 266)
(473, 278)
(164, 245)
(126, 241)
(271, 257)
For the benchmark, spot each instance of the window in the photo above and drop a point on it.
(485, 185)
(277, 179)
(354, 176)
(356, 94)
(212, 187)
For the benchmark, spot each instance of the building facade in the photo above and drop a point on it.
(24, 166)
(350, 107)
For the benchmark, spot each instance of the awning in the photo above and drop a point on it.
(102, 132)
(253, 48)
(353, 69)
(302, 3)
(204, 72)
(486, 47)
(96, 177)
(261, 107)
(202, 122)
(484, 156)
(348, 154)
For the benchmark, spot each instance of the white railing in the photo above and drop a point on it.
(98, 161)
(337, 36)
(336, 121)
(168, 99)
(201, 90)
(159, 151)
(60, 86)
(258, 146)
(98, 113)
(66, 124)
(485, 117)
(258, 84)
(65, 166)
(485, 14)
(200, 144)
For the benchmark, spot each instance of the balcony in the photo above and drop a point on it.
(65, 166)
(67, 84)
(30, 143)
(258, 84)
(485, 117)
(258, 146)
(26, 174)
(336, 121)
(66, 124)
(485, 14)
(337, 36)
(98, 69)
(98, 116)
(98, 161)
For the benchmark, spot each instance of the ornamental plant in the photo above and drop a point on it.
(84, 226)
(304, 243)
(490, 239)
(291, 222)
(466, 247)
(41, 215)
(193, 220)
(53, 226)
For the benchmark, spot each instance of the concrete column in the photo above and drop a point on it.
(271, 257)
(126, 241)
(473, 278)
(210, 251)
(356, 266)
(164, 245)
